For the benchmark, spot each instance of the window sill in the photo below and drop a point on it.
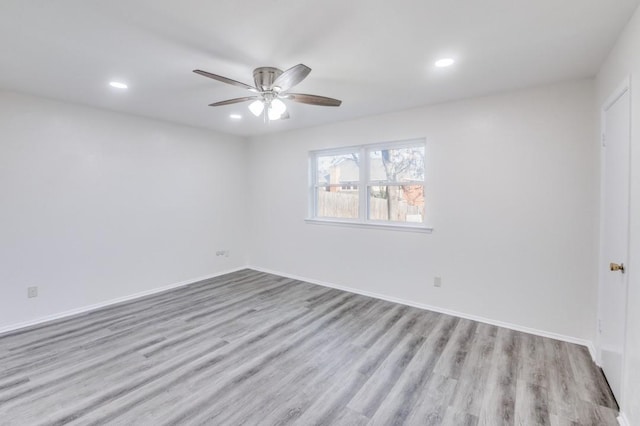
(372, 225)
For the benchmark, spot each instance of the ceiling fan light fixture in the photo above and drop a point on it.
(276, 109)
(273, 116)
(256, 108)
(278, 106)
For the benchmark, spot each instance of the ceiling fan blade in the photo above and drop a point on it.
(291, 77)
(225, 80)
(312, 99)
(235, 101)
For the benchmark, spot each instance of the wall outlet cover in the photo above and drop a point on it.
(32, 292)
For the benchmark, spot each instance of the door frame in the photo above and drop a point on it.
(621, 90)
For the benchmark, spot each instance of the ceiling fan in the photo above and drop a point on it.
(271, 87)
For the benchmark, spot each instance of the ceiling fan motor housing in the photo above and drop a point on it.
(264, 77)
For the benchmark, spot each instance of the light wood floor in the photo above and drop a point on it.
(252, 348)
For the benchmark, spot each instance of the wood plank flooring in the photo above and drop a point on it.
(250, 348)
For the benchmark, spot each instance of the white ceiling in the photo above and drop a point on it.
(376, 56)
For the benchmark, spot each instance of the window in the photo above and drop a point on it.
(377, 185)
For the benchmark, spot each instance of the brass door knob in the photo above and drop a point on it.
(616, 267)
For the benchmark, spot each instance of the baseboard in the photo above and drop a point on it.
(510, 326)
(570, 339)
(84, 309)
(622, 420)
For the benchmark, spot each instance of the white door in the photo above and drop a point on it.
(614, 237)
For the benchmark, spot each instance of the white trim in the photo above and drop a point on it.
(623, 420)
(515, 327)
(623, 88)
(510, 326)
(363, 188)
(398, 143)
(370, 225)
(364, 182)
(47, 318)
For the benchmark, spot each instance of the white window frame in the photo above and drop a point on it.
(363, 187)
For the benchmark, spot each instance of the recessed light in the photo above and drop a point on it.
(444, 62)
(118, 85)
(235, 116)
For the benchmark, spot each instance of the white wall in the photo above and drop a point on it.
(513, 199)
(624, 61)
(98, 205)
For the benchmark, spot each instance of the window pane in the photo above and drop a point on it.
(397, 165)
(397, 203)
(338, 202)
(337, 169)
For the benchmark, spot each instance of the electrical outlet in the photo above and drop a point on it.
(32, 292)
(437, 281)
